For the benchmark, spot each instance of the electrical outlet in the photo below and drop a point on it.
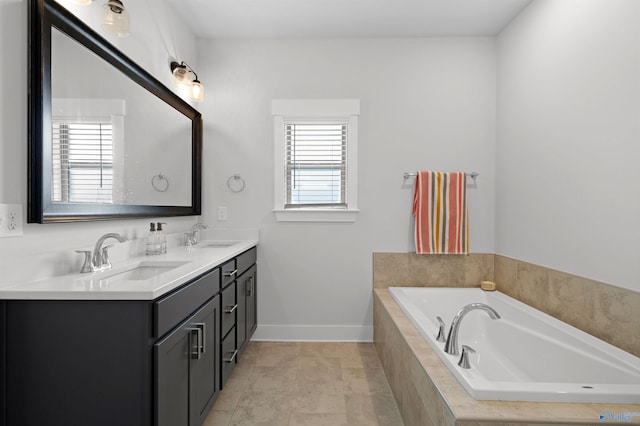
(222, 213)
(10, 220)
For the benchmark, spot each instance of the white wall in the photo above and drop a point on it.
(152, 28)
(569, 138)
(425, 104)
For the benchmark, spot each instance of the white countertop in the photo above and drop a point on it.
(187, 263)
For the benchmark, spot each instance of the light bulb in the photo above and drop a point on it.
(197, 91)
(181, 76)
(115, 18)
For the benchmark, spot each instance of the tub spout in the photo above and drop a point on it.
(451, 346)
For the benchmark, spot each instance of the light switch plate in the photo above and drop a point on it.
(10, 220)
(222, 213)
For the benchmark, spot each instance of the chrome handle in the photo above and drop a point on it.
(440, 337)
(230, 309)
(231, 274)
(464, 358)
(233, 356)
(203, 336)
(197, 349)
(87, 266)
(106, 263)
(249, 291)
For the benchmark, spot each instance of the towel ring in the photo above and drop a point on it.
(160, 182)
(235, 183)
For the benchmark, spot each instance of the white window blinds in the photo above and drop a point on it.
(82, 162)
(315, 165)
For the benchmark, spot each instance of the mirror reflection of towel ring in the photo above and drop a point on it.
(235, 183)
(160, 182)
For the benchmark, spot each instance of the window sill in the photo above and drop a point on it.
(315, 215)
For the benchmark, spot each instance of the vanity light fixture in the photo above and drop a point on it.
(115, 18)
(181, 79)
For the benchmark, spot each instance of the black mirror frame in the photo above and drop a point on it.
(43, 16)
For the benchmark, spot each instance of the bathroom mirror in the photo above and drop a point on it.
(106, 139)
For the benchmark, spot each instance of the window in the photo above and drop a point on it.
(316, 159)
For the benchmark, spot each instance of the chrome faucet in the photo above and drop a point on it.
(99, 259)
(451, 346)
(190, 237)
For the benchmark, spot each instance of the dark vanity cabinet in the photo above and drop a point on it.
(187, 358)
(238, 308)
(125, 362)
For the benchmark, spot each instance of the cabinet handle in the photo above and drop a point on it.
(233, 356)
(250, 287)
(200, 346)
(230, 309)
(231, 274)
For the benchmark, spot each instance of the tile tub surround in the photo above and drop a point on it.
(427, 393)
(291, 383)
(427, 270)
(608, 312)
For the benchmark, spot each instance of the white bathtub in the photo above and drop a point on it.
(524, 356)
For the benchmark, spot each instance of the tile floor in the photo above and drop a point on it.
(293, 384)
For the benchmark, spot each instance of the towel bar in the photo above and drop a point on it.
(472, 175)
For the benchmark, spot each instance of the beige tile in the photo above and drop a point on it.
(390, 269)
(363, 359)
(478, 267)
(318, 419)
(457, 270)
(318, 396)
(571, 299)
(365, 380)
(429, 270)
(321, 349)
(617, 317)
(266, 398)
(506, 274)
(230, 395)
(533, 285)
(252, 349)
(244, 366)
(217, 418)
(274, 354)
(318, 369)
(379, 409)
(271, 411)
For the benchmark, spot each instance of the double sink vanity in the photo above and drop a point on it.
(150, 341)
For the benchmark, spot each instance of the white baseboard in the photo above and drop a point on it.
(314, 333)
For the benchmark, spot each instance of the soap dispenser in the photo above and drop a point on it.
(161, 239)
(151, 247)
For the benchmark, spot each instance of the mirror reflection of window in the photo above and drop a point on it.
(86, 139)
(82, 153)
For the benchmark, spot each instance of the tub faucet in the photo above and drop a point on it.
(451, 346)
(190, 237)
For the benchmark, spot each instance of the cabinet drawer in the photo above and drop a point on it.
(229, 272)
(245, 260)
(175, 307)
(229, 353)
(229, 308)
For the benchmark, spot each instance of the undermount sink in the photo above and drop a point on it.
(144, 270)
(217, 244)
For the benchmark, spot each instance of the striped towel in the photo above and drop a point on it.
(440, 209)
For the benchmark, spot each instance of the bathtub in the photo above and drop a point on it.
(525, 355)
